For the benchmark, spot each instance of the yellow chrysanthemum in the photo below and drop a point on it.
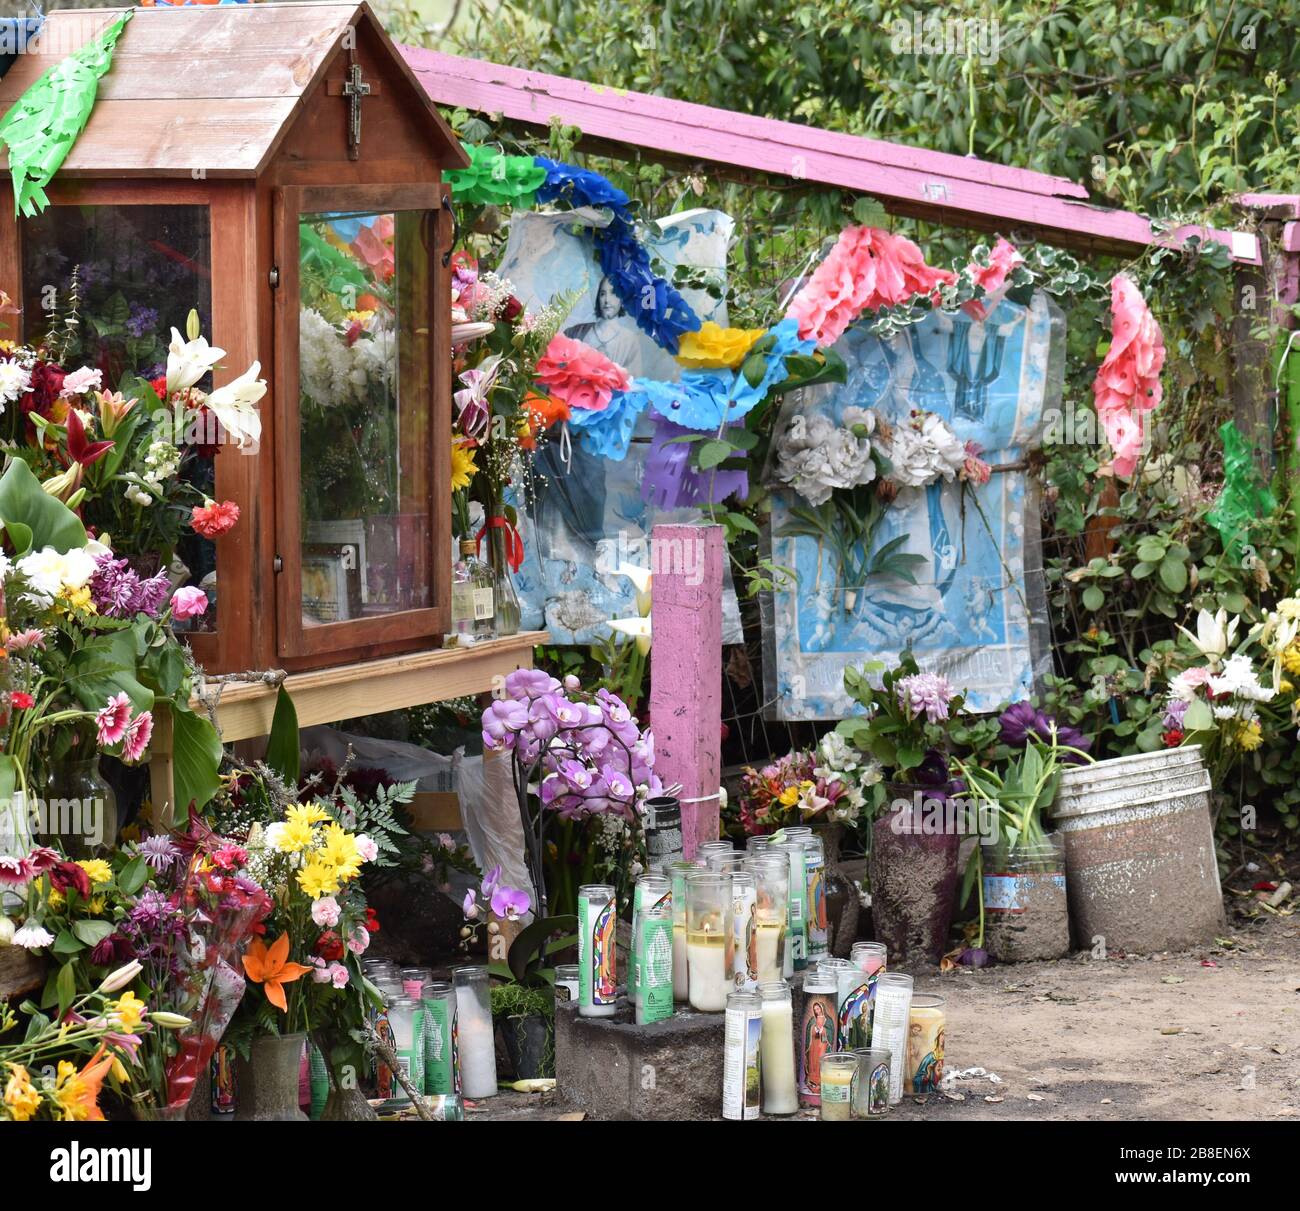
(294, 837)
(340, 847)
(79, 602)
(306, 813)
(97, 905)
(127, 1011)
(1250, 736)
(56, 900)
(21, 1099)
(715, 348)
(789, 797)
(317, 880)
(463, 466)
(99, 871)
(1291, 657)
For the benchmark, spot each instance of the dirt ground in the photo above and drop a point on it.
(1202, 1035)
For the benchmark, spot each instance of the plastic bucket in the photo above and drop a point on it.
(1139, 852)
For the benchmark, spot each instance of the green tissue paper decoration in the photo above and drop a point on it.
(47, 119)
(494, 179)
(1245, 498)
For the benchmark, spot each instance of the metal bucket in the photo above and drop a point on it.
(1139, 852)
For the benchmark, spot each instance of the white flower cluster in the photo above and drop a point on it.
(161, 461)
(924, 451)
(334, 373)
(15, 381)
(839, 761)
(815, 456)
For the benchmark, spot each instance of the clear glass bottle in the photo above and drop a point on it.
(508, 614)
(473, 596)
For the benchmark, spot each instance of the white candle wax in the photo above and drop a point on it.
(681, 978)
(478, 1056)
(768, 937)
(780, 1096)
(710, 981)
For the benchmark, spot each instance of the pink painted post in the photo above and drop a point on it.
(686, 671)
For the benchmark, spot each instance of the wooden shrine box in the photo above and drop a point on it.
(276, 167)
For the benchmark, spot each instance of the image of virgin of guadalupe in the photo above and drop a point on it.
(575, 479)
(818, 1039)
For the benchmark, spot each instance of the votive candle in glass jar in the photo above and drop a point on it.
(441, 1070)
(818, 1032)
(709, 943)
(925, 1039)
(758, 843)
(872, 957)
(741, 1060)
(814, 859)
(597, 957)
(871, 1093)
(796, 900)
(839, 1069)
(744, 899)
(780, 1092)
(406, 1022)
(726, 863)
(772, 885)
(890, 1023)
(654, 995)
(705, 848)
(475, 1040)
(649, 889)
(566, 981)
(853, 1006)
(677, 872)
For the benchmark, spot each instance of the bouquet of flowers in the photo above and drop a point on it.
(825, 784)
(582, 767)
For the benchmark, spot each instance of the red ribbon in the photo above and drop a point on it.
(514, 544)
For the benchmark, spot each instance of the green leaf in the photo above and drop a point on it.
(47, 522)
(134, 875)
(66, 943)
(65, 987)
(712, 453)
(1173, 575)
(196, 755)
(741, 522)
(92, 932)
(1199, 717)
(282, 747)
(1093, 598)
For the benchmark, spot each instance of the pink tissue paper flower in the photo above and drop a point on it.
(579, 375)
(1128, 381)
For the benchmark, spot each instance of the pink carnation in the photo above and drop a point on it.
(866, 270)
(579, 375)
(1128, 380)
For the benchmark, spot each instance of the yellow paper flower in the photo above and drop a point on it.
(21, 1099)
(128, 1012)
(463, 466)
(317, 879)
(98, 870)
(716, 348)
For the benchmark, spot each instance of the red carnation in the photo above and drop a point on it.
(214, 519)
(329, 946)
(21, 700)
(1172, 738)
(510, 308)
(65, 876)
(372, 921)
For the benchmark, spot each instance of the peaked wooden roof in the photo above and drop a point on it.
(210, 88)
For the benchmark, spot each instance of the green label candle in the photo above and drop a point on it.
(597, 962)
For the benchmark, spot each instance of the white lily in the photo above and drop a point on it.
(234, 406)
(641, 579)
(1214, 633)
(189, 361)
(638, 628)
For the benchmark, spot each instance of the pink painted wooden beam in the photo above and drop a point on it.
(686, 671)
(959, 190)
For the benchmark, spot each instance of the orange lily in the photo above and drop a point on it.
(77, 1093)
(269, 966)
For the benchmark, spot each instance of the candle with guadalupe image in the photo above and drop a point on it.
(742, 1057)
(814, 857)
(854, 988)
(871, 1093)
(771, 873)
(925, 1039)
(838, 1072)
(597, 960)
(817, 1032)
(709, 943)
(790, 843)
(893, 1002)
(744, 897)
(780, 1094)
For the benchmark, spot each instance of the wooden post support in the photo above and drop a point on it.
(686, 671)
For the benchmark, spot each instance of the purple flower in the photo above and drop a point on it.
(509, 903)
(578, 776)
(1017, 722)
(530, 683)
(925, 693)
(502, 719)
(618, 783)
(1175, 711)
(158, 852)
(119, 593)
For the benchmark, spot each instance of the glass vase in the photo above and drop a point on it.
(77, 808)
(267, 1081)
(505, 599)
